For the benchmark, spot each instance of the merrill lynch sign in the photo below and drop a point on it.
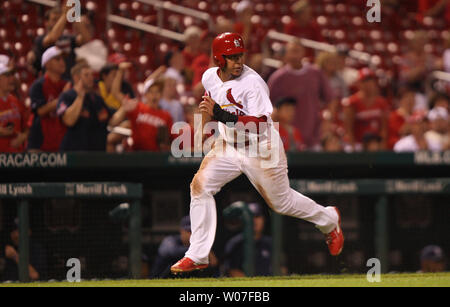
(80, 189)
(414, 186)
(16, 190)
(330, 186)
(372, 186)
(37, 190)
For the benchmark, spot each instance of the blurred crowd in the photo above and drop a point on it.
(82, 99)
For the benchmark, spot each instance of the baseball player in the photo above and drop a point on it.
(236, 97)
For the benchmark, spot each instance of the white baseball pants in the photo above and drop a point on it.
(271, 182)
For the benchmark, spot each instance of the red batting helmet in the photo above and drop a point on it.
(226, 44)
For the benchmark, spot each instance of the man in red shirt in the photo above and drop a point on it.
(203, 60)
(310, 88)
(252, 33)
(13, 115)
(303, 24)
(192, 36)
(365, 111)
(150, 126)
(47, 130)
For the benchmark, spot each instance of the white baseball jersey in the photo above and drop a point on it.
(245, 95)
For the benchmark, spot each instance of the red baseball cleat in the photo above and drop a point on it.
(335, 239)
(187, 265)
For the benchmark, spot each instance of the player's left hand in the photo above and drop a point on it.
(207, 105)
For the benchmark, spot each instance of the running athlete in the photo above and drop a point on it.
(237, 95)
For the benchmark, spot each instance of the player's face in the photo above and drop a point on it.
(235, 64)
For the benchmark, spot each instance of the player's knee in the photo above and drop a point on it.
(196, 186)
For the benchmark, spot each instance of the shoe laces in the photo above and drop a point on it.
(329, 237)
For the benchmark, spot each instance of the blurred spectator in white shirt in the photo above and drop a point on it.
(417, 140)
(439, 127)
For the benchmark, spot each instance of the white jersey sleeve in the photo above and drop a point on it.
(207, 79)
(258, 98)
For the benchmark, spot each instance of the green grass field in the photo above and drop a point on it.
(387, 280)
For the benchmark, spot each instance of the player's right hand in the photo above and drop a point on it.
(207, 105)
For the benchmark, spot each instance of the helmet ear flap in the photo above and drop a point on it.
(219, 60)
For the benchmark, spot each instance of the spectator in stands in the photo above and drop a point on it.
(10, 63)
(372, 142)
(366, 111)
(417, 140)
(223, 25)
(397, 127)
(440, 100)
(13, 115)
(47, 131)
(192, 36)
(126, 88)
(84, 112)
(174, 61)
(331, 64)
(173, 247)
(150, 126)
(234, 248)
(111, 77)
(170, 97)
(115, 61)
(37, 268)
(416, 64)
(94, 51)
(253, 34)
(55, 24)
(308, 86)
(439, 127)
(332, 142)
(108, 87)
(284, 115)
(303, 24)
(432, 259)
(203, 60)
